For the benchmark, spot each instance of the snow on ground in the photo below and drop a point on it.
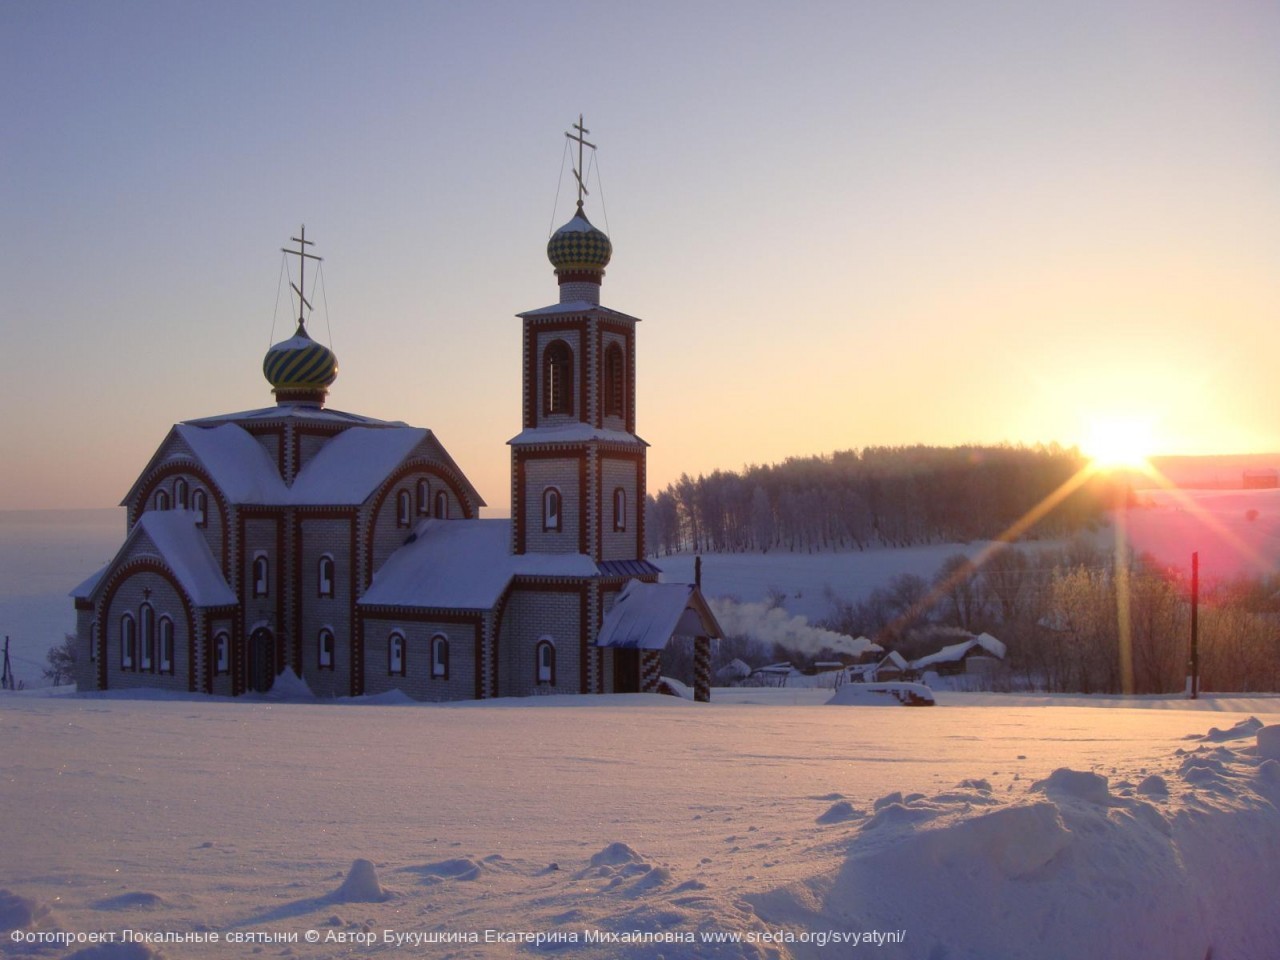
(984, 827)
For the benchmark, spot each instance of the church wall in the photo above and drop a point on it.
(419, 680)
(532, 612)
(146, 587)
(220, 682)
(611, 335)
(621, 474)
(574, 336)
(308, 445)
(85, 673)
(262, 533)
(565, 476)
(335, 537)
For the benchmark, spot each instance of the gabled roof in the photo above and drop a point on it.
(462, 564)
(577, 308)
(958, 651)
(173, 537)
(352, 465)
(295, 411)
(645, 616)
(238, 463)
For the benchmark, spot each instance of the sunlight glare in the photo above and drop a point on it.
(1119, 443)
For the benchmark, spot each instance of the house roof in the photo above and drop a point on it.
(958, 651)
(463, 564)
(645, 616)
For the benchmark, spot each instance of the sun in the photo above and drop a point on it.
(1119, 443)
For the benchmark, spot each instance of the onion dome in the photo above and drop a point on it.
(579, 252)
(299, 369)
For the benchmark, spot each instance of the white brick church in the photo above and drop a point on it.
(350, 550)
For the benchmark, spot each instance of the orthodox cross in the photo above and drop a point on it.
(303, 257)
(581, 142)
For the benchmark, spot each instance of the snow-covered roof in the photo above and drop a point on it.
(464, 564)
(577, 308)
(239, 464)
(645, 616)
(84, 590)
(958, 651)
(348, 468)
(576, 432)
(894, 658)
(295, 411)
(181, 546)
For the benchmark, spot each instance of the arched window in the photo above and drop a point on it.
(324, 649)
(424, 498)
(557, 378)
(128, 642)
(404, 515)
(442, 505)
(440, 657)
(93, 642)
(619, 509)
(551, 509)
(200, 504)
(324, 576)
(395, 655)
(615, 382)
(545, 660)
(162, 500)
(166, 645)
(221, 654)
(148, 617)
(261, 575)
(181, 495)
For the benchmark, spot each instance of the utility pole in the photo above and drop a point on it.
(6, 677)
(1193, 684)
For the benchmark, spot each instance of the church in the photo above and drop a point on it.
(350, 550)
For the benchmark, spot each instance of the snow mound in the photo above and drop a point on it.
(1078, 784)
(458, 868)
(1153, 786)
(361, 885)
(135, 900)
(882, 694)
(1242, 730)
(117, 951)
(22, 913)
(1016, 841)
(289, 686)
(614, 855)
(1269, 742)
(840, 812)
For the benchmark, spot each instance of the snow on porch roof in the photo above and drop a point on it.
(647, 615)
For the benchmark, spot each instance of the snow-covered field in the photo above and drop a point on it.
(985, 827)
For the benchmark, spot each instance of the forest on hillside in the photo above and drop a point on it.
(876, 497)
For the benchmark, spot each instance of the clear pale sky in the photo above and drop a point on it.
(844, 224)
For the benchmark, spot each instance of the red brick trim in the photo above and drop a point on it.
(115, 581)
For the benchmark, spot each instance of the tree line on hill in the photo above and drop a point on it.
(876, 497)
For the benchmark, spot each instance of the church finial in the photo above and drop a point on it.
(578, 172)
(303, 257)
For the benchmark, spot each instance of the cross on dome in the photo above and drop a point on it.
(578, 171)
(303, 257)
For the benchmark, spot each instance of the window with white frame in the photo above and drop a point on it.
(200, 504)
(614, 382)
(404, 516)
(148, 618)
(181, 493)
(442, 505)
(440, 657)
(424, 498)
(128, 642)
(325, 576)
(162, 500)
(557, 378)
(619, 509)
(221, 654)
(395, 654)
(545, 661)
(325, 647)
(166, 645)
(551, 509)
(261, 574)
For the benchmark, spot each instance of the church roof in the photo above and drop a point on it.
(238, 463)
(299, 411)
(352, 465)
(577, 432)
(463, 564)
(577, 308)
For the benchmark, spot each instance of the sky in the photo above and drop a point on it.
(843, 224)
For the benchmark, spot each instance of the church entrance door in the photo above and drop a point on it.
(626, 670)
(262, 660)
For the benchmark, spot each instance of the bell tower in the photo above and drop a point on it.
(577, 466)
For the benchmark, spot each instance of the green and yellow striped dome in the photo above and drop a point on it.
(579, 247)
(300, 368)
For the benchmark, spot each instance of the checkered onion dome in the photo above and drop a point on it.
(300, 363)
(579, 246)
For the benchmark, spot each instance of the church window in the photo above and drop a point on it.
(162, 500)
(148, 617)
(324, 576)
(93, 642)
(619, 509)
(181, 493)
(325, 649)
(200, 504)
(557, 378)
(614, 382)
(424, 498)
(261, 575)
(221, 654)
(551, 509)
(395, 655)
(403, 514)
(442, 505)
(545, 659)
(440, 657)
(128, 641)
(166, 645)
